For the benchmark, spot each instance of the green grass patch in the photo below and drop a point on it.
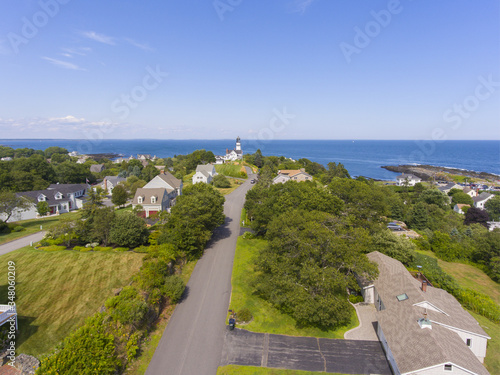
(234, 169)
(33, 226)
(235, 184)
(249, 370)
(56, 291)
(492, 360)
(244, 220)
(267, 318)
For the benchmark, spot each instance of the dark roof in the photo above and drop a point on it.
(52, 190)
(481, 197)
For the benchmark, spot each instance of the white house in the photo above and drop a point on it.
(423, 330)
(447, 188)
(61, 198)
(109, 183)
(236, 154)
(298, 175)
(153, 200)
(458, 208)
(470, 192)
(204, 173)
(407, 180)
(481, 199)
(167, 181)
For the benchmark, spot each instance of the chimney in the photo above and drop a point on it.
(162, 171)
(424, 286)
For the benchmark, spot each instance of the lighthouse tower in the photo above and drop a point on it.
(238, 144)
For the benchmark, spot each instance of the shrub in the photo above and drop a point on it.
(4, 228)
(221, 181)
(121, 249)
(173, 288)
(81, 248)
(18, 228)
(133, 345)
(102, 248)
(142, 249)
(355, 299)
(244, 315)
(248, 235)
(52, 248)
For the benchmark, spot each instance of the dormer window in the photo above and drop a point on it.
(140, 199)
(153, 199)
(42, 198)
(58, 196)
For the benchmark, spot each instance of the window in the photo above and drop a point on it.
(469, 342)
(402, 297)
(139, 199)
(448, 368)
(153, 199)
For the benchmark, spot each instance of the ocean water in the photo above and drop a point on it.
(361, 158)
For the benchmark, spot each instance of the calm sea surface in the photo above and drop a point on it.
(361, 158)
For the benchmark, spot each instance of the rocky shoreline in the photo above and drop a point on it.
(426, 172)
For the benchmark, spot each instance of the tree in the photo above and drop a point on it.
(461, 197)
(493, 208)
(93, 203)
(10, 202)
(128, 230)
(221, 181)
(394, 246)
(102, 224)
(434, 196)
(476, 215)
(42, 208)
(119, 195)
(418, 216)
(65, 229)
(149, 172)
(55, 150)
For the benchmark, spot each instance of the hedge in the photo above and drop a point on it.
(52, 248)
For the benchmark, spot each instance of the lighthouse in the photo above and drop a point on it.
(238, 144)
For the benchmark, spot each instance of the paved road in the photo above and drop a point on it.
(303, 353)
(192, 342)
(20, 242)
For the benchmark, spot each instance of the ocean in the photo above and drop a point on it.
(360, 157)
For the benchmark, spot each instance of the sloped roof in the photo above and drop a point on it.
(205, 169)
(96, 167)
(407, 176)
(115, 180)
(170, 179)
(482, 197)
(147, 193)
(52, 190)
(413, 347)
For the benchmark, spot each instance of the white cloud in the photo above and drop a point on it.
(80, 51)
(142, 46)
(62, 64)
(101, 38)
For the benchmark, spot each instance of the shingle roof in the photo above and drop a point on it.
(205, 169)
(481, 197)
(96, 167)
(147, 193)
(413, 347)
(170, 179)
(115, 180)
(52, 190)
(407, 176)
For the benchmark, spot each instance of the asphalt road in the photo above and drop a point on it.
(20, 242)
(303, 353)
(193, 340)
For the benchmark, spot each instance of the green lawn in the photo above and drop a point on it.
(232, 170)
(235, 184)
(492, 360)
(249, 370)
(33, 226)
(56, 291)
(266, 318)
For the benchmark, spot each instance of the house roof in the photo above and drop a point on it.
(408, 176)
(115, 180)
(482, 197)
(415, 348)
(205, 169)
(468, 190)
(147, 193)
(96, 167)
(52, 190)
(170, 179)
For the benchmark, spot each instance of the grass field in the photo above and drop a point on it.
(56, 291)
(235, 183)
(492, 360)
(33, 226)
(266, 318)
(249, 370)
(234, 169)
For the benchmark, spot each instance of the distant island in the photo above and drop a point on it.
(428, 172)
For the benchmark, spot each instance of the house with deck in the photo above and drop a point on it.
(423, 330)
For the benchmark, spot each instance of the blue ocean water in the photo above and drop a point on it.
(361, 158)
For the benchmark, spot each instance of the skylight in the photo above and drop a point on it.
(402, 297)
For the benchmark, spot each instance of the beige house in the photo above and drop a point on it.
(153, 200)
(298, 175)
(470, 192)
(423, 330)
(459, 208)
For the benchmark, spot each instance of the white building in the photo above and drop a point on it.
(407, 180)
(159, 194)
(236, 154)
(204, 173)
(110, 182)
(481, 199)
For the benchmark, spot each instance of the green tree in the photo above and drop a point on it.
(418, 216)
(149, 172)
(55, 150)
(65, 229)
(221, 181)
(119, 195)
(492, 206)
(434, 196)
(128, 230)
(10, 202)
(102, 224)
(396, 247)
(458, 196)
(42, 208)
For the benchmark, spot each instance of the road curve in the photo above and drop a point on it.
(20, 242)
(192, 342)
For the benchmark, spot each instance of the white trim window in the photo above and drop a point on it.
(139, 199)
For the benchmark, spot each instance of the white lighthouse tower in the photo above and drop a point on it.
(238, 144)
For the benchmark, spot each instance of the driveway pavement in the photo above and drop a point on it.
(20, 242)
(303, 353)
(367, 323)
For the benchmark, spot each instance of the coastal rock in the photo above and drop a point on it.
(427, 172)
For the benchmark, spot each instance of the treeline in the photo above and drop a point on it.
(111, 339)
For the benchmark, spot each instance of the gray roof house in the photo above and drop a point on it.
(408, 179)
(447, 188)
(204, 173)
(109, 183)
(97, 168)
(167, 181)
(481, 199)
(153, 200)
(423, 330)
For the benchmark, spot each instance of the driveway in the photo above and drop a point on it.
(193, 340)
(303, 353)
(21, 242)
(367, 323)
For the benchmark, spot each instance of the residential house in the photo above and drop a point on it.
(481, 199)
(153, 200)
(492, 225)
(459, 208)
(7, 158)
(447, 188)
(61, 198)
(471, 192)
(204, 173)
(143, 157)
(110, 182)
(219, 159)
(407, 180)
(97, 168)
(298, 175)
(167, 181)
(236, 154)
(82, 159)
(424, 330)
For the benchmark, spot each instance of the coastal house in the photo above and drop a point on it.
(470, 192)
(481, 199)
(109, 183)
(167, 181)
(7, 158)
(219, 159)
(407, 180)
(298, 175)
(492, 225)
(423, 330)
(143, 157)
(447, 188)
(153, 200)
(236, 154)
(61, 198)
(97, 168)
(204, 173)
(458, 208)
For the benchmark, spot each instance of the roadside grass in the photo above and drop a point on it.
(244, 220)
(267, 318)
(140, 365)
(56, 291)
(234, 169)
(249, 370)
(33, 226)
(492, 360)
(469, 277)
(235, 183)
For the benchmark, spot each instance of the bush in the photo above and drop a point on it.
(102, 248)
(121, 249)
(81, 248)
(142, 249)
(4, 228)
(355, 299)
(52, 248)
(133, 345)
(18, 228)
(174, 288)
(248, 235)
(244, 315)
(221, 181)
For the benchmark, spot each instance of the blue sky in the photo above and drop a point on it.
(283, 69)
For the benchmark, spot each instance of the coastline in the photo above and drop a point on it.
(427, 172)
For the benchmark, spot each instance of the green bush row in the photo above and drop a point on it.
(52, 248)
